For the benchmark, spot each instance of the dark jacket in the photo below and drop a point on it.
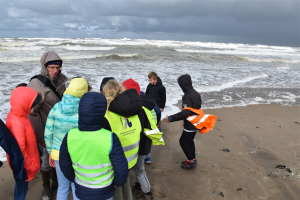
(91, 112)
(11, 147)
(191, 98)
(127, 104)
(158, 93)
(156, 108)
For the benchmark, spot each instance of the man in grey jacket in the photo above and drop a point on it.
(50, 83)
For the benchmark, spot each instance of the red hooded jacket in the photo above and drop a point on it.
(17, 122)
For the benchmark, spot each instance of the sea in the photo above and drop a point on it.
(225, 74)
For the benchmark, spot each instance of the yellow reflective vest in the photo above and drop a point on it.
(89, 152)
(128, 130)
(154, 134)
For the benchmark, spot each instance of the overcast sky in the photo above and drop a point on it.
(270, 22)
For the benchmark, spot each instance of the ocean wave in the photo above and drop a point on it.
(229, 84)
(70, 57)
(86, 48)
(292, 61)
(240, 52)
(32, 48)
(121, 56)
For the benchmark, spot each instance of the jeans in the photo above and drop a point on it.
(63, 185)
(141, 175)
(125, 189)
(148, 156)
(21, 189)
(187, 144)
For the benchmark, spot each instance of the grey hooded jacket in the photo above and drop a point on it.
(39, 113)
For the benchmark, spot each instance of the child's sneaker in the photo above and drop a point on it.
(189, 165)
(148, 160)
(145, 196)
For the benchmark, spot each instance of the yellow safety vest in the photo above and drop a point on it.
(154, 134)
(128, 130)
(89, 152)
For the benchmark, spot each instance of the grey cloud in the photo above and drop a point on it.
(256, 21)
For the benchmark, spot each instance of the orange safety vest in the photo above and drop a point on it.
(203, 122)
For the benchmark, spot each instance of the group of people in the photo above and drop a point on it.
(91, 140)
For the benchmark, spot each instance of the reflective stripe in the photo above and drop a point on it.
(92, 175)
(131, 158)
(93, 186)
(92, 166)
(96, 182)
(202, 119)
(161, 139)
(150, 132)
(130, 147)
(191, 117)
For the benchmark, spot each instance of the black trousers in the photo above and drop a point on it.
(187, 144)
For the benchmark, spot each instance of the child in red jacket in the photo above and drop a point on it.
(22, 99)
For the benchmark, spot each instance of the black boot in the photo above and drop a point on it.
(46, 193)
(54, 183)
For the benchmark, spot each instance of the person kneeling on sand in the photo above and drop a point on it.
(190, 99)
(92, 156)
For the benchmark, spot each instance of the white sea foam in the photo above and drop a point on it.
(229, 84)
(238, 52)
(85, 48)
(27, 48)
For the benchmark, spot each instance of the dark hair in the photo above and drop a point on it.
(22, 85)
(152, 75)
(90, 87)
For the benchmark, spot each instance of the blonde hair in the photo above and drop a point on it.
(112, 89)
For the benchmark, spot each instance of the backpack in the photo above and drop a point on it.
(47, 83)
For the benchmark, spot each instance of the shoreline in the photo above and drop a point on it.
(259, 138)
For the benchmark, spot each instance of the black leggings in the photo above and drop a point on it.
(187, 144)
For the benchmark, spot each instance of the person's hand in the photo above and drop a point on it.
(43, 144)
(115, 186)
(161, 109)
(166, 119)
(51, 161)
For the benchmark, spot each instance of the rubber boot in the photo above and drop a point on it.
(54, 183)
(46, 193)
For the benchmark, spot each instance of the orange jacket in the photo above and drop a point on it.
(17, 122)
(203, 122)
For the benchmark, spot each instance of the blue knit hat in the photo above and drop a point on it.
(54, 62)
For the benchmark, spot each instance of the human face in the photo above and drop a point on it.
(53, 70)
(152, 81)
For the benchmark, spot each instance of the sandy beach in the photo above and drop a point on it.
(258, 138)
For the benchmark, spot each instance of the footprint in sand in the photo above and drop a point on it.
(158, 194)
(273, 190)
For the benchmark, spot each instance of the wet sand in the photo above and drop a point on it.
(259, 138)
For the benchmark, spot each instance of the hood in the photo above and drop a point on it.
(92, 108)
(131, 84)
(148, 102)
(104, 81)
(77, 87)
(127, 104)
(185, 82)
(46, 57)
(69, 105)
(21, 100)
